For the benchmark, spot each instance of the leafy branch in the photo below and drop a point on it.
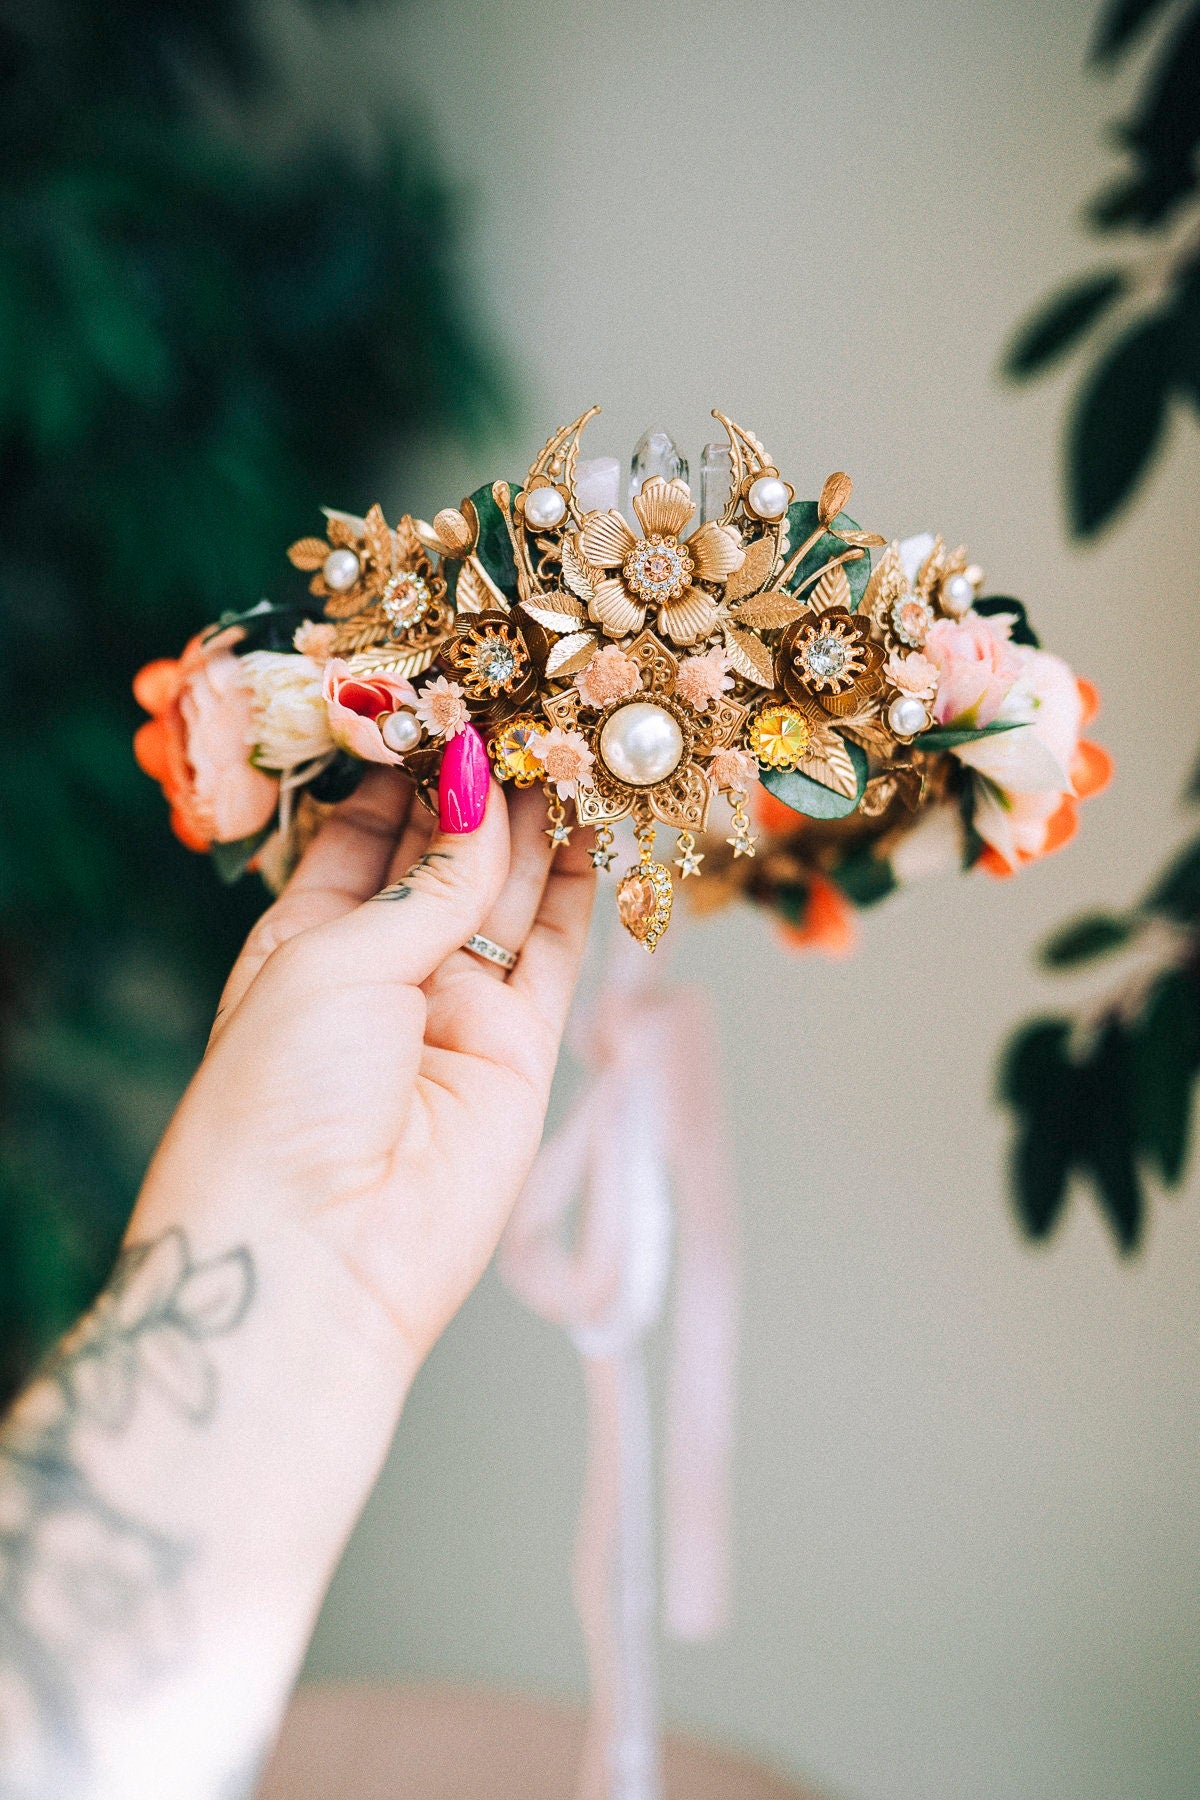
(1107, 1094)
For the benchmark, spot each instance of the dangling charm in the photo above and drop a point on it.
(603, 854)
(743, 839)
(689, 859)
(644, 896)
(558, 831)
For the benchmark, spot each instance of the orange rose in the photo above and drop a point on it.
(196, 744)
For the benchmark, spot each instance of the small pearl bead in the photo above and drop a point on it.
(768, 497)
(958, 596)
(545, 508)
(641, 744)
(907, 716)
(340, 569)
(400, 731)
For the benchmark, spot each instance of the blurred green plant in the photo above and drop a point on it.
(199, 341)
(1108, 1094)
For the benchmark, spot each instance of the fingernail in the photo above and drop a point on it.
(463, 782)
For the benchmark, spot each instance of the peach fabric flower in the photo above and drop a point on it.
(611, 675)
(977, 666)
(566, 759)
(735, 771)
(315, 640)
(441, 708)
(196, 743)
(703, 679)
(1039, 772)
(914, 674)
(290, 720)
(357, 702)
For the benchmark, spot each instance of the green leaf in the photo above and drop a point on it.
(1021, 631)
(1084, 939)
(233, 859)
(1109, 1149)
(1038, 1080)
(865, 878)
(948, 737)
(804, 795)
(494, 548)
(1046, 337)
(1177, 892)
(1166, 1051)
(1117, 423)
(1118, 25)
(1034, 1062)
(802, 520)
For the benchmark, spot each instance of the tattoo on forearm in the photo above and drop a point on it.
(400, 890)
(86, 1587)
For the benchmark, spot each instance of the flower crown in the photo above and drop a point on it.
(877, 711)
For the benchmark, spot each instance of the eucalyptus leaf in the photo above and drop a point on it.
(802, 521)
(809, 797)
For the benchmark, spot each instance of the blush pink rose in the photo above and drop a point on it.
(196, 743)
(355, 704)
(977, 666)
(1030, 770)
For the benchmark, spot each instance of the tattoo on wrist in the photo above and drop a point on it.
(89, 1592)
(400, 890)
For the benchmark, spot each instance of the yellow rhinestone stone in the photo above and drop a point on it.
(512, 754)
(780, 736)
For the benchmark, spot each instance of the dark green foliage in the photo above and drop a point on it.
(1113, 1100)
(802, 520)
(1064, 319)
(1083, 940)
(865, 878)
(1151, 357)
(199, 343)
(949, 737)
(804, 795)
(1117, 422)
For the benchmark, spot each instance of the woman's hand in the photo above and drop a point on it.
(368, 1082)
(179, 1483)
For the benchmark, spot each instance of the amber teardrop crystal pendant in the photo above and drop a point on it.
(644, 899)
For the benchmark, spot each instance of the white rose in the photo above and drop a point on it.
(290, 721)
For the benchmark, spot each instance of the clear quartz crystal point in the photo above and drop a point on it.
(716, 479)
(598, 484)
(656, 453)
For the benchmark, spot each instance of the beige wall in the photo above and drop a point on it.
(967, 1486)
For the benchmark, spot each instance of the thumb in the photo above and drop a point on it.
(408, 929)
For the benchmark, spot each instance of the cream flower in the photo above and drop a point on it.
(315, 640)
(913, 674)
(441, 708)
(566, 759)
(703, 679)
(658, 570)
(289, 721)
(733, 770)
(611, 675)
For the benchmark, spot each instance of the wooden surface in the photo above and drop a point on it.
(432, 1743)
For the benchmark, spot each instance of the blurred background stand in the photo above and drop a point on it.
(435, 1743)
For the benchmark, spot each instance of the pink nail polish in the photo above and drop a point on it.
(463, 782)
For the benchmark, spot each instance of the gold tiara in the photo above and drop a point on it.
(667, 667)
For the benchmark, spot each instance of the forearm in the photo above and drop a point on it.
(170, 1512)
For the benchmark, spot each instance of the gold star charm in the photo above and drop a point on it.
(603, 857)
(743, 844)
(689, 859)
(559, 832)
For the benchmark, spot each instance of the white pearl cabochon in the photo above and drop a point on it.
(641, 744)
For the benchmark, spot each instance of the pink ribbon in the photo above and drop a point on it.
(646, 1128)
